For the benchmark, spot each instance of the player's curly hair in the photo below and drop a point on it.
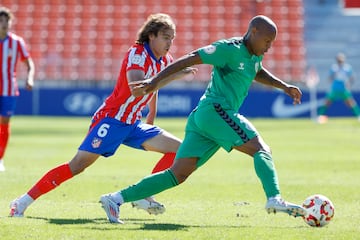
(153, 25)
(7, 13)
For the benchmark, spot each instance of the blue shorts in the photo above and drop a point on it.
(106, 136)
(7, 105)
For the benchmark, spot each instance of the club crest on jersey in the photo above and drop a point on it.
(96, 142)
(136, 59)
(210, 49)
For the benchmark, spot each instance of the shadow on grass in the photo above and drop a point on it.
(143, 224)
(82, 221)
(164, 227)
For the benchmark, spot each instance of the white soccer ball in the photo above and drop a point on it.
(320, 210)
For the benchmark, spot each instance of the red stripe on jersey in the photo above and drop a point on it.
(121, 104)
(9, 77)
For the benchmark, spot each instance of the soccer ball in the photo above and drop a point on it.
(320, 210)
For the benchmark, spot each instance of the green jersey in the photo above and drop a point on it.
(234, 69)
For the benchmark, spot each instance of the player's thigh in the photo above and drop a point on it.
(349, 99)
(253, 146)
(196, 145)
(163, 142)
(227, 128)
(152, 138)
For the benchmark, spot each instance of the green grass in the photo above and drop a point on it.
(223, 200)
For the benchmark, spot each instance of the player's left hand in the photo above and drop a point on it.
(140, 88)
(295, 93)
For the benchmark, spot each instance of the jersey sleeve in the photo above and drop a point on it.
(22, 50)
(216, 54)
(136, 59)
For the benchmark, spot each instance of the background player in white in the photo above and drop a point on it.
(118, 119)
(12, 48)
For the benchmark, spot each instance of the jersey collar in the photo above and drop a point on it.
(152, 55)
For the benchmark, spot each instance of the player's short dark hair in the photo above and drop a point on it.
(6, 12)
(153, 25)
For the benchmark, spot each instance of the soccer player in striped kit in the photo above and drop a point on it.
(118, 119)
(12, 48)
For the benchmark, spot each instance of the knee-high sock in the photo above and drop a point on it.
(4, 137)
(265, 170)
(51, 180)
(165, 162)
(356, 110)
(149, 186)
(322, 110)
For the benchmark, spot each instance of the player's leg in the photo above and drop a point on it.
(193, 152)
(100, 140)
(330, 97)
(7, 108)
(165, 143)
(350, 102)
(51, 180)
(234, 131)
(255, 146)
(152, 138)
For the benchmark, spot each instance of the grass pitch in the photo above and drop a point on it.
(222, 200)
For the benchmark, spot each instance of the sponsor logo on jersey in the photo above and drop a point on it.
(210, 49)
(96, 142)
(241, 66)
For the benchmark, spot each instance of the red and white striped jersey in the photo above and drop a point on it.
(121, 105)
(12, 48)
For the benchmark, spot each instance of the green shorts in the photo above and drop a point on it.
(210, 127)
(339, 95)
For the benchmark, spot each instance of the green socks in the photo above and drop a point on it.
(265, 170)
(356, 110)
(150, 186)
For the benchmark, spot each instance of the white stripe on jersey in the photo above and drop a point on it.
(22, 46)
(136, 108)
(123, 107)
(4, 66)
(13, 62)
(148, 74)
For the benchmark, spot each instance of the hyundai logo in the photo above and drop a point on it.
(82, 103)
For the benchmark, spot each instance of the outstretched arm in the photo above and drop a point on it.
(178, 69)
(31, 71)
(266, 78)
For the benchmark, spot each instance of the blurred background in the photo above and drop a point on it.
(78, 46)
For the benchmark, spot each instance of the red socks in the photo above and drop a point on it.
(60, 174)
(4, 137)
(51, 180)
(165, 162)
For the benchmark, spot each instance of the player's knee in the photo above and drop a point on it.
(183, 171)
(265, 148)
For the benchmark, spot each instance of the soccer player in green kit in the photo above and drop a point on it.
(215, 122)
